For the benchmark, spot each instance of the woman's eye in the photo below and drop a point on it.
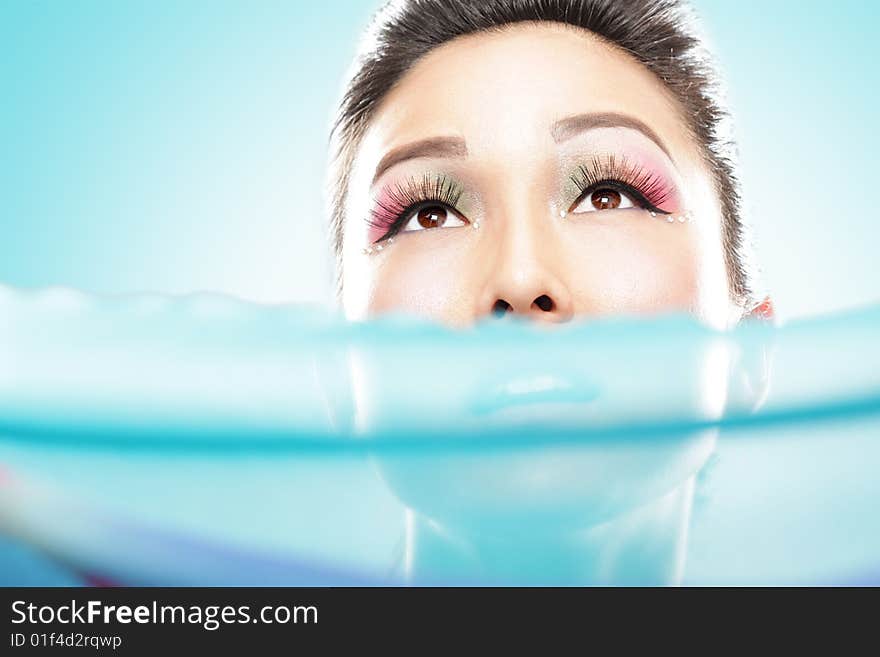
(604, 199)
(433, 216)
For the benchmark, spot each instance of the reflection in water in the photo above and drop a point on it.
(296, 447)
(604, 511)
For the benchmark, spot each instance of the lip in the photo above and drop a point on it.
(533, 393)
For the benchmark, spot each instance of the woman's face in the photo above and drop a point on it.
(535, 172)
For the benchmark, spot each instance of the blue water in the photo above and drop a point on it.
(202, 440)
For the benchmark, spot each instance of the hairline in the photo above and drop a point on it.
(718, 165)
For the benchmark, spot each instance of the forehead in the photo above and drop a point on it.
(503, 90)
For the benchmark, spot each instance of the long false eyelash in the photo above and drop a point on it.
(396, 203)
(647, 188)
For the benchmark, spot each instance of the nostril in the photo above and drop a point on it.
(544, 302)
(500, 308)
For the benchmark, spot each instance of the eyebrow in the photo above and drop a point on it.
(431, 147)
(571, 126)
(561, 131)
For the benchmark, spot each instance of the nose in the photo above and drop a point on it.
(527, 276)
(543, 307)
(541, 304)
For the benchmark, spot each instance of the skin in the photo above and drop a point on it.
(508, 99)
(504, 95)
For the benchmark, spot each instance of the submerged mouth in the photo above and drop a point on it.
(534, 395)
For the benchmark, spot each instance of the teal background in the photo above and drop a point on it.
(177, 147)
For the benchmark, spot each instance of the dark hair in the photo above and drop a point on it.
(661, 34)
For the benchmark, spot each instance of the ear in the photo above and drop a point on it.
(762, 312)
(751, 373)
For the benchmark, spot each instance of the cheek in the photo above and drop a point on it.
(431, 283)
(607, 270)
(643, 270)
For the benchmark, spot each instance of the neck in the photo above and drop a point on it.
(645, 546)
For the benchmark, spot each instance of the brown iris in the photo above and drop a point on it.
(605, 199)
(433, 216)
